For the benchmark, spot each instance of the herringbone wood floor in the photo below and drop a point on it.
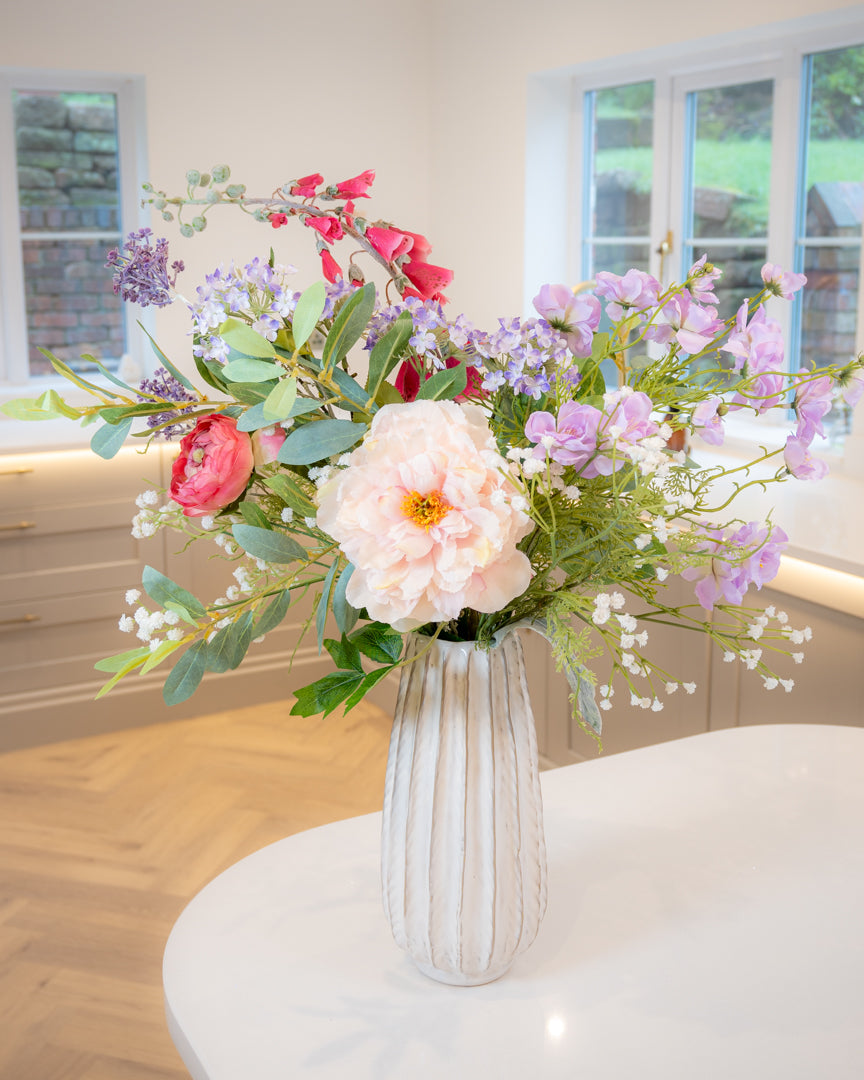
(104, 840)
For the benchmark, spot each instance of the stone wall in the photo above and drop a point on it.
(68, 183)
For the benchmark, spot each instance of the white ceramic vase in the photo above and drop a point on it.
(463, 860)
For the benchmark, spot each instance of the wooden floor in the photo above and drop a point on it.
(104, 840)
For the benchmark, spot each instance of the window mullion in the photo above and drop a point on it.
(14, 367)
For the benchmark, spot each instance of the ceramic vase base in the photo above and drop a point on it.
(456, 978)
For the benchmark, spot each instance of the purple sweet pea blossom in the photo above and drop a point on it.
(700, 280)
(780, 282)
(813, 399)
(627, 421)
(749, 555)
(851, 386)
(757, 344)
(800, 462)
(572, 439)
(634, 292)
(707, 422)
(765, 392)
(693, 327)
(141, 270)
(576, 316)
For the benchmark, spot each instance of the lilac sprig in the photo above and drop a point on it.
(165, 386)
(141, 272)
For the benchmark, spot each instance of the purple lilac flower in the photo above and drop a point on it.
(576, 316)
(781, 282)
(164, 385)
(800, 462)
(634, 292)
(757, 344)
(813, 399)
(749, 555)
(141, 271)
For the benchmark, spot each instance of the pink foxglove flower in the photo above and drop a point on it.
(213, 467)
(306, 186)
(390, 243)
(329, 227)
(427, 280)
(331, 269)
(357, 187)
(427, 516)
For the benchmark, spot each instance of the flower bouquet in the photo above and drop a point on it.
(413, 474)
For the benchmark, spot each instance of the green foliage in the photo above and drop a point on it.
(387, 352)
(350, 322)
(108, 439)
(186, 674)
(268, 544)
(444, 385)
(244, 340)
(165, 591)
(319, 440)
(308, 311)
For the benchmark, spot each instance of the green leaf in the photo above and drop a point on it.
(244, 370)
(63, 369)
(172, 605)
(319, 440)
(250, 393)
(349, 388)
(107, 374)
(51, 400)
(186, 674)
(226, 650)
(211, 372)
(166, 363)
(599, 347)
(308, 311)
(444, 385)
(343, 613)
(130, 665)
(363, 689)
(273, 614)
(160, 653)
(163, 590)
(388, 395)
(120, 660)
(379, 642)
(291, 494)
(115, 413)
(324, 602)
(253, 514)
(253, 418)
(326, 694)
(108, 439)
(385, 356)
(242, 338)
(350, 322)
(48, 406)
(344, 653)
(268, 544)
(280, 400)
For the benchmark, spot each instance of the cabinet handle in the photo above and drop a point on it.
(17, 472)
(20, 619)
(18, 526)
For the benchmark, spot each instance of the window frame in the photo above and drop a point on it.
(128, 90)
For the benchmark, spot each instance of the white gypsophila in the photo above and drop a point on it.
(146, 498)
(155, 643)
(261, 564)
(770, 611)
(641, 542)
(207, 522)
(787, 685)
(533, 466)
(310, 522)
(627, 641)
(605, 704)
(661, 572)
(572, 493)
(232, 592)
(320, 474)
(728, 657)
(641, 639)
(660, 528)
(127, 624)
(175, 634)
(656, 705)
(171, 618)
(287, 515)
(782, 617)
(690, 687)
(223, 623)
(133, 596)
(798, 657)
(671, 687)
(750, 658)
(769, 684)
(755, 630)
(628, 622)
(607, 691)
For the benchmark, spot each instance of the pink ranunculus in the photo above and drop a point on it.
(357, 186)
(575, 315)
(331, 269)
(390, 243)
(266, 443)
(213, 467)
(801, 463)
(427, 516)
(782, 282)
(329, 227)
(306, 186)
(427, 280)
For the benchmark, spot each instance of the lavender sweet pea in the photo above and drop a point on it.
(576, 316)
(724, 578)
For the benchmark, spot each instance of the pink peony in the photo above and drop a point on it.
(427, 516)
(213, 467)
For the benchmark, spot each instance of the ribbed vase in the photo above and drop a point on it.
(463, 860)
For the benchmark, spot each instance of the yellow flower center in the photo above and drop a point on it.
(425, 510)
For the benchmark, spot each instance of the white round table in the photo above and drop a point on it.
(706, 902)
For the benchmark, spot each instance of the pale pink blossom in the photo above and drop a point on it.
(681, 318)
(707, 422)
(428, 517)
(782, 282)
(757, 344)
(701, 277)
(813, 399)
(634, 292)
(576, 316)
(801, 463)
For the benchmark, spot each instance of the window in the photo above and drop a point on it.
(70, 173)
(749, 153)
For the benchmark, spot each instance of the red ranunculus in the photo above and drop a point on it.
(329, 227)
(357, 186)
(428, 280)
(213, 467)
(407, 380)
(306, 185)
(332, 269)
(391, 243)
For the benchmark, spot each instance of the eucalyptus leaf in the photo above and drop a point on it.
(273, 614)
(344, 614)
(253, 514)
(163, 590)
(160, 653)
(280, 400)
(253, 418)
(166, 363)
(246, 341)
(319, 440)
(268, 544)
(186, 674)
(324, 603)
(350, 322)
(245, 370)
(385, 355)
(108, 439)
(444, 385)
(211, 372)
(291, 494)
(226, 650)
(120, 660)
(308, 311)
